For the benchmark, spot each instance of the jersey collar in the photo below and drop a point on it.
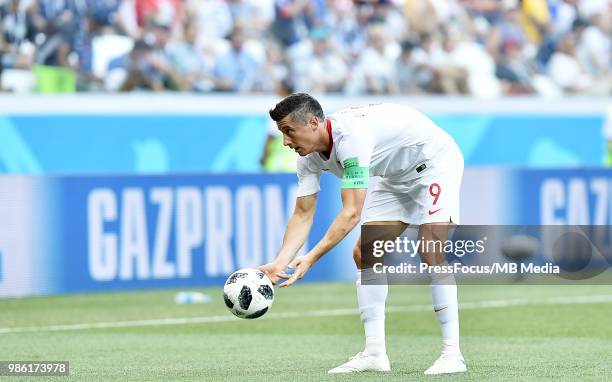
(331, 142)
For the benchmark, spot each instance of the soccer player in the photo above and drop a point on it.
(420, 168)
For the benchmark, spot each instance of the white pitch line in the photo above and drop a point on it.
(315, 313)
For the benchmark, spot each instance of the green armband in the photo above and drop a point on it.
(355, 176)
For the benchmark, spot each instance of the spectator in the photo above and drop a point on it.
(212, 17)
(563, 15)
(513, 70)
(103, 12)
(594, 46)
(590, 8)
(456, 46)
(274, 71)
(510, 28)
(565, 69)
(377, 63)
(160, 11)
(386, 13)
(126, 19)
(535, 19)
(423, 16)
(252, 15)
(160, 58)
(16, 35)
(468, 56)
(134, 71)
(237, 70)
(407, 72)
(263, 14)
(326, 71)
(348, 26)
(191, 66)
(434, 72)
(289, 18)
(57, 22)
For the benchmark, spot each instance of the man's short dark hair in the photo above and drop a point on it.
(300, 106)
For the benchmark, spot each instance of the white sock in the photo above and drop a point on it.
(371, 300)
(444, 296)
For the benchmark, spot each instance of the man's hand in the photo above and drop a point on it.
(301, 265)
(272, 270)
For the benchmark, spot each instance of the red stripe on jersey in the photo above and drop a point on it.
(331, 142)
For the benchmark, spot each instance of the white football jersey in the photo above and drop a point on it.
(392, 141)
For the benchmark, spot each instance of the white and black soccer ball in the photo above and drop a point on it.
(248, 293)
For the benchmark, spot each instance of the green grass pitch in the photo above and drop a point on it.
(508, 333)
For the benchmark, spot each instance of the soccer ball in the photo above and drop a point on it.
(248, 293)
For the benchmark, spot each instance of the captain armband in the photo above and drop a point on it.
(353, 175)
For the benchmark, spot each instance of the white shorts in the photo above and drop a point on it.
(431, 196)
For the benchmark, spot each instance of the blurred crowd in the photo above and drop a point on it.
(485, 48)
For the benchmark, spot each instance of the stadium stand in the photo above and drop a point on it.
(485, 48)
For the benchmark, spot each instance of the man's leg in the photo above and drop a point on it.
(371, 297)
(444, 297)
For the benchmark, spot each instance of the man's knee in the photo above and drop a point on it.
(436, 233)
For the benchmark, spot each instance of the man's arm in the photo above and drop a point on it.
(296, 234)
(352, 204)
(298, 228)
(345, 221)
